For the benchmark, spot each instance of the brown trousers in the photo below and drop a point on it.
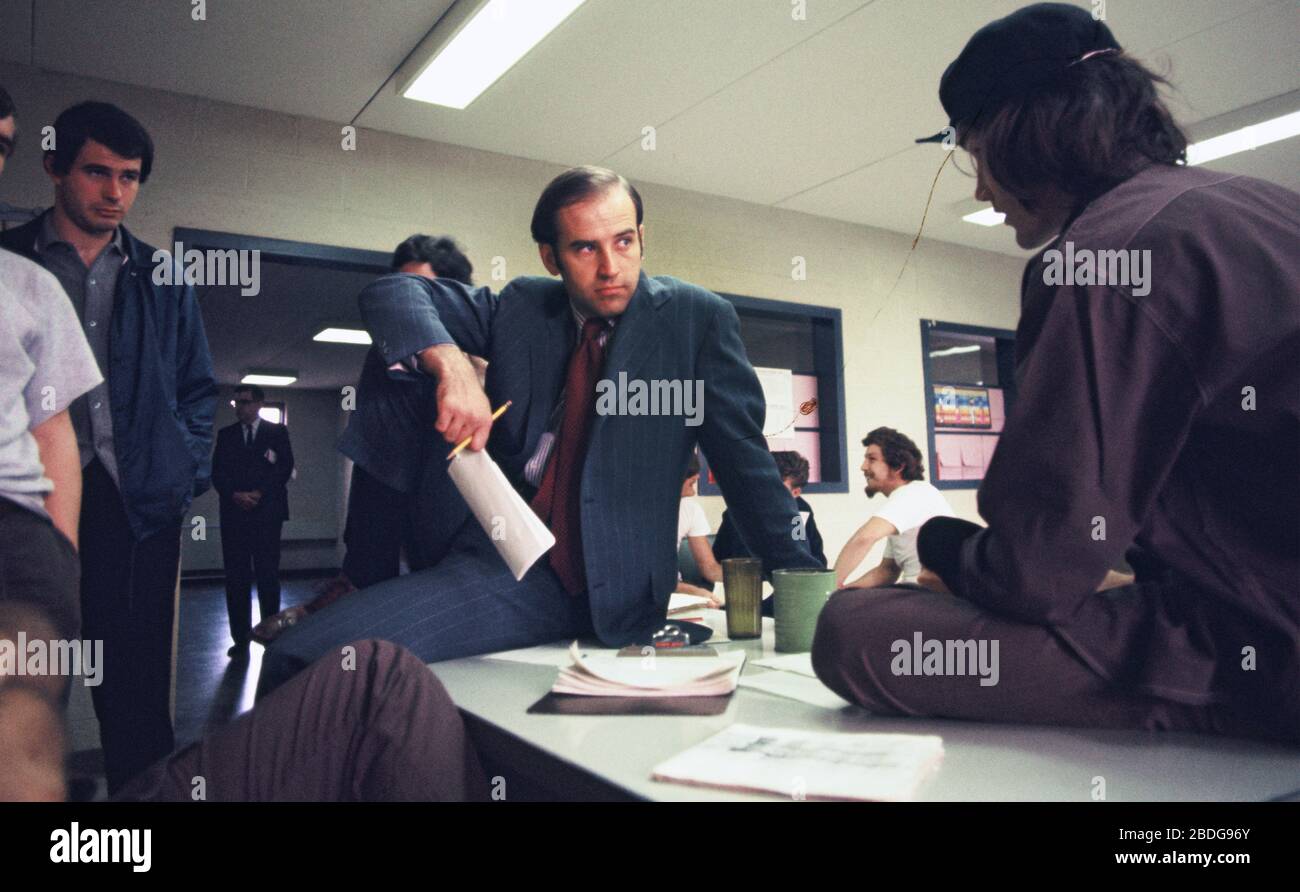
(1040, 681)
(373, 726)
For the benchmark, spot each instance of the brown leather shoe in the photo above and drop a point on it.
(273, 626)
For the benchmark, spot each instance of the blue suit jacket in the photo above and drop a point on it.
(635, 464)
(160, 387)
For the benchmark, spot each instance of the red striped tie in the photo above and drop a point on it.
(558, 500)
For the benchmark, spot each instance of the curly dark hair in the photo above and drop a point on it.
(1090, 128)
(899, 452)
(792, 466)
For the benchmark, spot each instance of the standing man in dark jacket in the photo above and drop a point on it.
(250, 470)
(144, 435)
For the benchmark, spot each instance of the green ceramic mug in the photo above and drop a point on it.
(799, 597)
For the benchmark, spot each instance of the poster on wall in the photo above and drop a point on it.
(963, 407)
(778, 394)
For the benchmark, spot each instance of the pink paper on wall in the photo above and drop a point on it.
(949, 454)
(805, 390)
(972, 458)
(990, 443)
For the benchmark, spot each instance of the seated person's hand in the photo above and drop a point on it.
(686, 588)
(927, 578)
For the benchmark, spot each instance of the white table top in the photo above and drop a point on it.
(982, 762)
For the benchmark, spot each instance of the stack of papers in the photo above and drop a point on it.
(808, 764)
(652, 675)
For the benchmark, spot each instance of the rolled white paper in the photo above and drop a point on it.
(518, 534)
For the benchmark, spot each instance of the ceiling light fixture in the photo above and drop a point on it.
(986, 217)
(475, 44)
(342, 336)
(270, 378)
(1244, 140)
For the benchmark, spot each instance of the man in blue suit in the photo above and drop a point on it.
(603, 473)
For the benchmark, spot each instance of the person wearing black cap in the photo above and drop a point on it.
(1157, 420)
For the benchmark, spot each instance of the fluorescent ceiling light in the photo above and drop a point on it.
(269, 380)
(986, 217)
(1245, 139)
(342, 336)
(486, 46)
(949, 351)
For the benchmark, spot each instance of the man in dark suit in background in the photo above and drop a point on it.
(604, 474)
(250, 468)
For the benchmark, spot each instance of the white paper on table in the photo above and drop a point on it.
(607, 674)
(682, 601)
(800, 664)
(518, 534)
(793, 686)
(812, 764)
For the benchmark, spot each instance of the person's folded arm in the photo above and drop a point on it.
(438, 321)
(1104, 403)
(855, 550)
(884, 573)
(405, 314)
(707, 564)
(731, 435)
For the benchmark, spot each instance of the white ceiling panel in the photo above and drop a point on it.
(748, 102)
(16, 31)
(302, 57)
(611, 69)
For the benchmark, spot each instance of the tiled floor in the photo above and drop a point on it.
(211, 688)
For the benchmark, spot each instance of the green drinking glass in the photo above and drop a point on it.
(742, 584)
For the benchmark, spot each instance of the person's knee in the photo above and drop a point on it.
(853, 629)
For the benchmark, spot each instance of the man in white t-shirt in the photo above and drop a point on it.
(693, 526)
(893, 468)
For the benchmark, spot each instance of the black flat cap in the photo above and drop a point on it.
(1008, 57)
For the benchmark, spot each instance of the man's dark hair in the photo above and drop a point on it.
(570, 187)
(105, 124)
(252, 390)
(792, 466)
(692, 467)
(1098, 123)
(440, 252)
(899, 452)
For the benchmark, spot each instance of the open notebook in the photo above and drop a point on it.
(808, 764)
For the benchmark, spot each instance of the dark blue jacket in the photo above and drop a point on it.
(160, 387)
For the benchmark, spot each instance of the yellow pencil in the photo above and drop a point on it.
(465, 442)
